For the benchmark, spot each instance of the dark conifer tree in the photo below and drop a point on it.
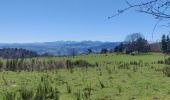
(168, 44)
(164, 44)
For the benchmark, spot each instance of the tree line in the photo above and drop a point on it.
(133, 43)
(17, 53)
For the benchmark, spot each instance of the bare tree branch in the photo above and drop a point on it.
(160, 9)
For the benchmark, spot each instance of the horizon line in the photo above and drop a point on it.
(39, 42)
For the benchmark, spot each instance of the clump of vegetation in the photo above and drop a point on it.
(69, 64)
(78, 95)
(135, 68)
(166, 71)
(68, 88)
(109, 70)
(4, 80)
(25, 93)
(167, 61)
(134, 63)
(119, 90)
(9, 95)
(82, 63)
(33, 64)
(160, 62)
(88, 91)
(123, 66)
(45, 91)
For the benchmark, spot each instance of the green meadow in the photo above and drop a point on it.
(111, 77)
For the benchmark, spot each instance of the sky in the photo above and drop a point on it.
(28, 21)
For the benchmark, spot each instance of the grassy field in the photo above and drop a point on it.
(114, 77)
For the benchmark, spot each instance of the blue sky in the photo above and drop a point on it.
(23, 21)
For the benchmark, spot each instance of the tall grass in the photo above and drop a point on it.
(9, 95)
(45, 91)
(26, 94)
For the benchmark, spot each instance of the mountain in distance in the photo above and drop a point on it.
(60, 48)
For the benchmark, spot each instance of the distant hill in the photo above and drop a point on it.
(61, 47)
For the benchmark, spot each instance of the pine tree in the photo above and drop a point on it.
(164, 44)
(168, 44)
